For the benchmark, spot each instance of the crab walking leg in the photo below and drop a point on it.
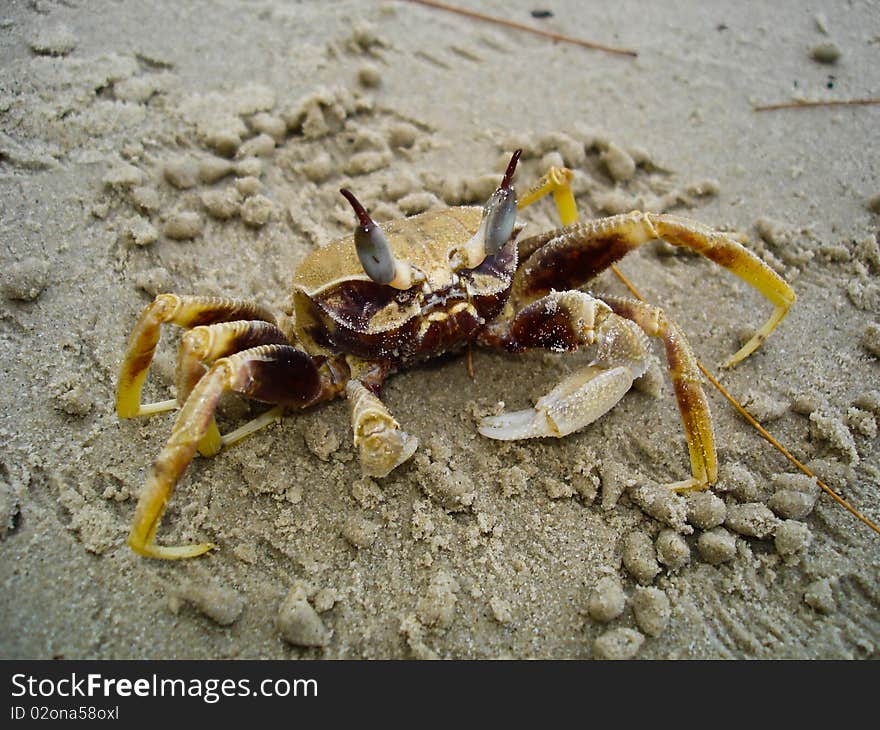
(202, 345)
(684, 371)
(274, 373)
(567, 321)
(383, 446)
(557, 181)
(184, 311)
(568, 257)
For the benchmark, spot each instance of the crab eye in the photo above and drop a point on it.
(374, 251)
(499, 217)
(498, 221)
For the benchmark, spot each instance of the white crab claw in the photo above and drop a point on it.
(576, 402)
(513, 425)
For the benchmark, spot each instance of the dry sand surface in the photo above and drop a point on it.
(198, 148)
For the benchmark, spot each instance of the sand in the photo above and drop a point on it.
(146, 147)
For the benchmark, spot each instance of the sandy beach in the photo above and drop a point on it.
(198, 148)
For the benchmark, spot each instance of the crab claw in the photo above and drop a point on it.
(576, 402)
(374, 251)
(382, 445)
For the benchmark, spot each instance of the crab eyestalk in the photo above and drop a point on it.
(374, 251)
(499, 219)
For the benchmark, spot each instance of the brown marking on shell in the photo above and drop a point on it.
(444, 332)
(368, 307)
(321, 332)
(356, 316)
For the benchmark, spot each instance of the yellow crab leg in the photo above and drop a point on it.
(733, 256)
(273, 373)
(715, 246)
(568, 257)
(202, 345)
(184, 311)
(684, 370)
(556, 181)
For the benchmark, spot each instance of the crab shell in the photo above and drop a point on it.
(340, 310)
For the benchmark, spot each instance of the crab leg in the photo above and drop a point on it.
(569, 320)
(184, 311)
(692, 404)
(278, 374)
(570, 256)
(202, 345)
(557, 181)
(620, 234)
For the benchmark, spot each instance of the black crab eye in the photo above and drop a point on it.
(373, 248)
(499, 214)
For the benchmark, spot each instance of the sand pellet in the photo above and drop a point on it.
(222, 204)
(212, 169)
(368, 75)
(219, 603)
(607, 599)
(249, 167)
(791, 504)
(792, 537)
(620, 165)
(639, 557)
(618, 644)
(819, 595)
(262, 145)
(437, 605)
(752, 519)
(738, 481)
(123, 175)
(139, 231)
(299, 623)
(717, 546)
(652, 610)
(25, 280)
(828, 52)
(145, 199)
(256, 210)
(871, 338)
(834, 431)
(359, 532)
(182, 172)
(274, 126)
(672, 549)
(705, 510)
(183, 226)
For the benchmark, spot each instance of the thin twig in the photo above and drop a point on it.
(526, 28)
(785, 452)
(803, 104)
(760, 429)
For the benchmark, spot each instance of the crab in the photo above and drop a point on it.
(392, 296)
